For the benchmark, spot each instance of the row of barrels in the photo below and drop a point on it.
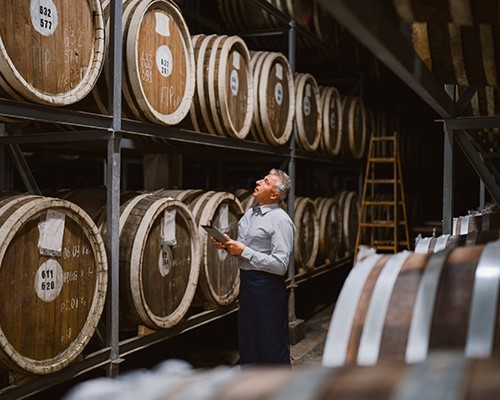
(208, 83)
(445, 375)
(53, 255)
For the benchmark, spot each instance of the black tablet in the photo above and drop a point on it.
(215, 232)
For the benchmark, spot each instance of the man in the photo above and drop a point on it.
(264, 247)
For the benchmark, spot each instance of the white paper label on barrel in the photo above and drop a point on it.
(164, 60)
(279, 71)
(162, 26)
(234, 82)
(236, 60)
(308, 90)
(51, 230)
(49, 280)
(168, 228)
(44, 16)
(278, 93)
(307, 106)
(223, 225)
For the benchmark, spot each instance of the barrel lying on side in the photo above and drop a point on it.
(219, 282)
(159, 261)
(400, 307)
(307, 112)
(330, 229)
(50, 52)
(307, 233)
(349, 217)
(331, 116)
(53, 279)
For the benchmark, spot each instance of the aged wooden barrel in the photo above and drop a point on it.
(223, 103)
(476, 222)
(461, 12)
(274, 98)
(159, 261)
(353, 127)
(463, 55)
(444, 375)
(330, 229)
(245, 197)
(307, 112)
(435, 244)
(331, 117)
(53, 279)
(219, 280)
(53, 53)
(158, 63)
(307, 233)
(402, 306)
(349, 217)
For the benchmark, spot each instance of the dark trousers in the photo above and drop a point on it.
(263, 319)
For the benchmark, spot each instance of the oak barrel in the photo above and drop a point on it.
(353, 127)
(307, 232)
(274, 98)
(53, 279)
(445, 375)
(435, 244)
(331, 117)
(307, 112)
(159, 261)
(245, 197)
(349, 217)
(51, 51)
(158, 78)
(330, 229)
(476, 222)
(223, 101)
(219, 280)
(402, 306)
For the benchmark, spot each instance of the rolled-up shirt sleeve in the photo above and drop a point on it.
(269, 245)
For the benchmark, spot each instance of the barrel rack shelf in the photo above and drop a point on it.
(112, 134)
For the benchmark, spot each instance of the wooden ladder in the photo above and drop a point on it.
(375, 228)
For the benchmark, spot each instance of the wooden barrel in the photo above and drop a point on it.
(158, 63)
(349, 217)
(307, 112)
(444, 375)
(331, 116)
(400, 307)
(330, 229)
(476, 222)
(245, 197)
(274, 98)
(323, 24)
(223, 103)
(53, 279)
(353, 127)
(461, 12)
(463, 55)
(159, 261)
(219, 281)
(51, 52)
(307, 234)
(435, 244)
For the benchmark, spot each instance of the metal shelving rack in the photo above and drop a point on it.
(115, 134)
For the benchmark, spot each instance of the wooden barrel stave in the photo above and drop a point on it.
(64, 50)
(53, 256)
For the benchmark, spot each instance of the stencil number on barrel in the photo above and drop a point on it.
(49, 280)
(307, 106)
(278, 93)
(235, 82)
(44, 16)
(164, 60)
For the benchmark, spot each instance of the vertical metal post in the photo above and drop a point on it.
(482, 194)
(448, 181)
(296, 326)
(448, 178)
(6, 167)
(113, 182)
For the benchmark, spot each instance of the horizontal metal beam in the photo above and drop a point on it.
(371, 25)
(37, 112)
(57, 137)
(474, 156)
(465, 123)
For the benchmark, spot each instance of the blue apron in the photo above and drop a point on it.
(263, 319)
